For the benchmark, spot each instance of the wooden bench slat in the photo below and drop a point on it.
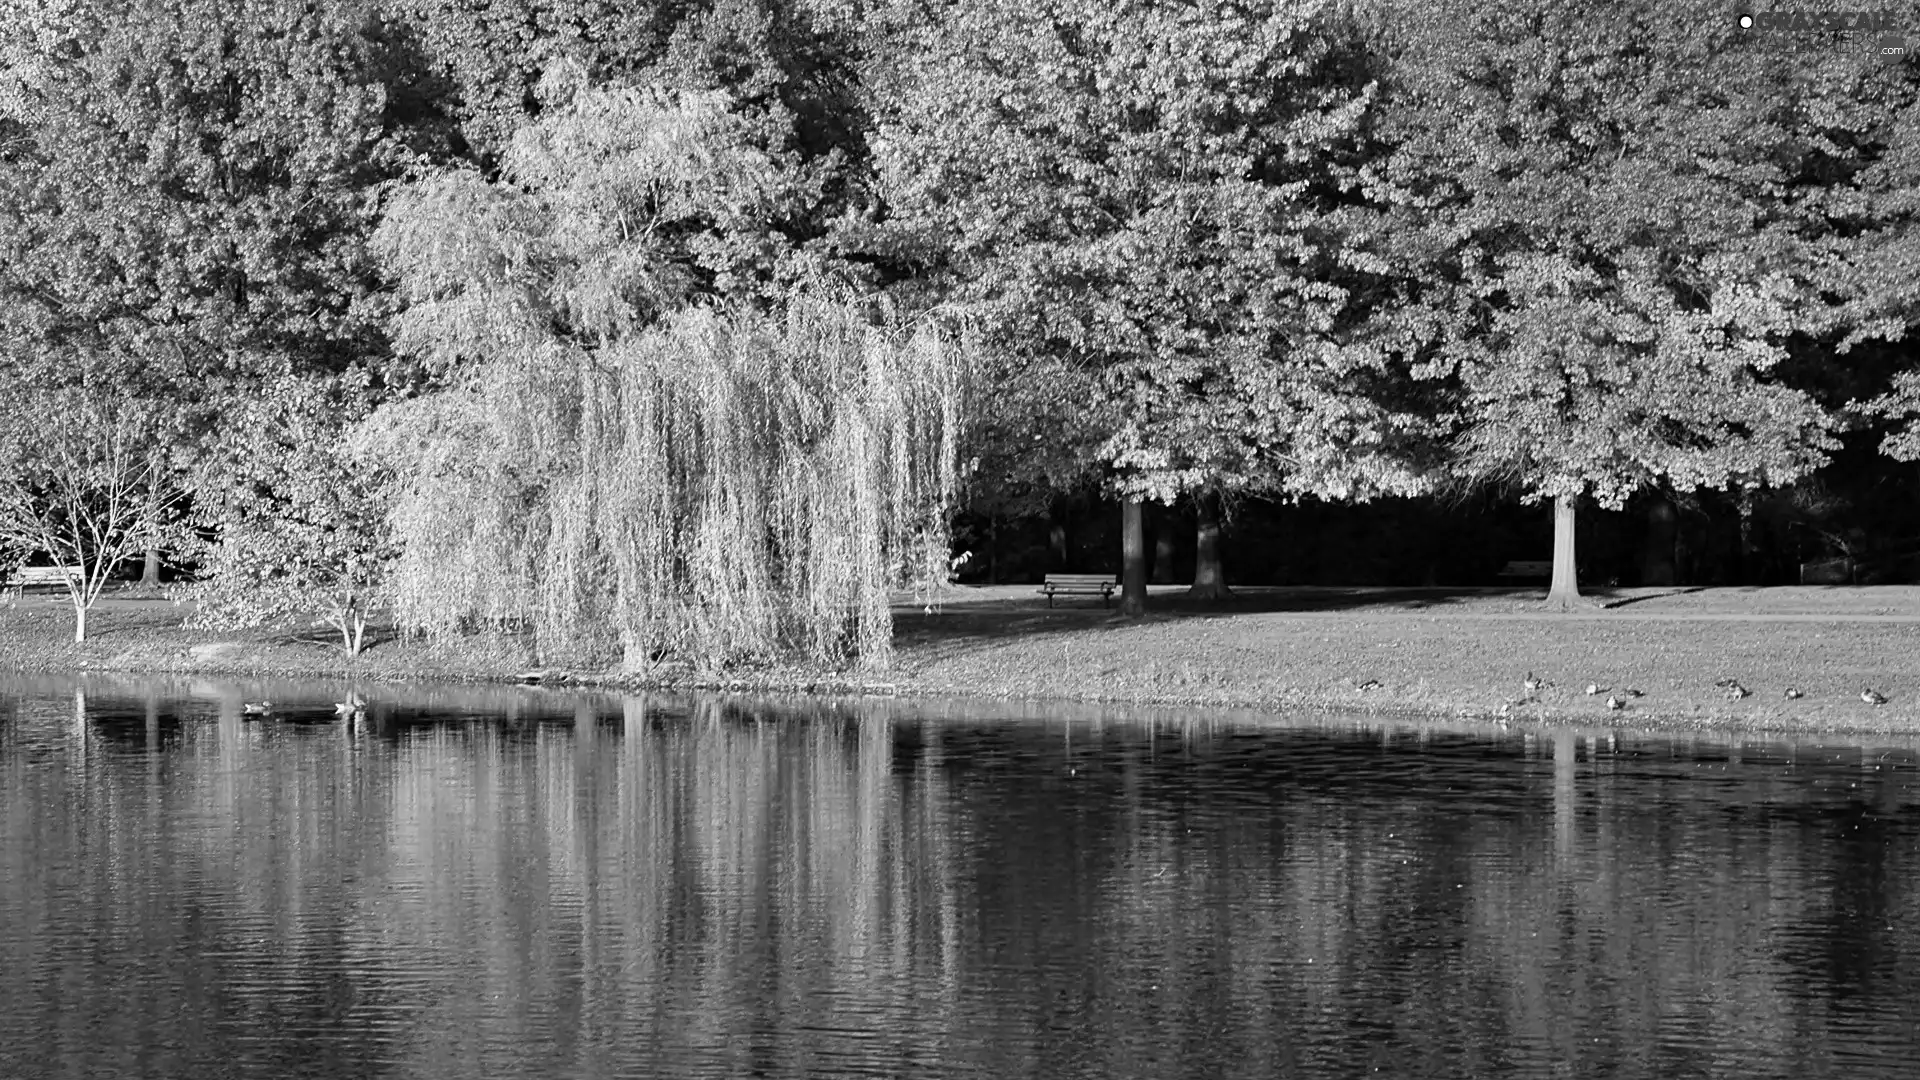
(1080, 585)
(32, 574)
(25, 576)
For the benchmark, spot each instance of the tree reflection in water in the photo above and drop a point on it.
(516, 882)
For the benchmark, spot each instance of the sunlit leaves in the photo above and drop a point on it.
(296, 529)
(1143, 192)
(1621, 246)
(619, 457)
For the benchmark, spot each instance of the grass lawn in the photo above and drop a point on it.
(1460, 652)
(1448, 652)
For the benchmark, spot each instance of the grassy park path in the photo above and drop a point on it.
(1447, 652)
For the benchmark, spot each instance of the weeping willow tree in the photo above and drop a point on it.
(629, 447)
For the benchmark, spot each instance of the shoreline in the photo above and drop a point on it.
(1455, 654)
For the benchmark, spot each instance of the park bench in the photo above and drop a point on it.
(1079, 585)
(38, 575)
(1527, 568)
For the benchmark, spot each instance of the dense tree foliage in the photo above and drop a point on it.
(612, 459)
(611, 319)
(1630, 213)
(290, 523)
(1149, 192)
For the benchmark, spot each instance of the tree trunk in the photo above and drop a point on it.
(1057, 541)
(150, 573)
(1133, 561)
(79, 622)
(1657, 557)
(1209, 578)
(1564, 592)
(1164, 521)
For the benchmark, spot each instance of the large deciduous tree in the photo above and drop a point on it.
(198, 174)
(1627, 214)
(630, 447)
(185, 197)
(1147, 192)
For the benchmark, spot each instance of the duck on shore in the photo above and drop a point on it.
(256, 708)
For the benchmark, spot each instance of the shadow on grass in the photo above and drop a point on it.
(1014, 615)
(1611, 604)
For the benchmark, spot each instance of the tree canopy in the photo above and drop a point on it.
(1625, 228)
(1150, 193)
(513, 312)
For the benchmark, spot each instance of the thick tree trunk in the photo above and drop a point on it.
(1209, 577)
(1164, 522)
(1564, 592)
(150, 573)
(1133, 560)
(1657, 562)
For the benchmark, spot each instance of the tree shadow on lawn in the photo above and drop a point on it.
(1660, 595)
(1021, 615)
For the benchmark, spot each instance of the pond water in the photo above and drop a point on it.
(478, 883)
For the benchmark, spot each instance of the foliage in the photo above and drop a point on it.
(604, 456)
(1148, 193)
(296, 529)
(1624, 225)
(83, 479)
(190, 192)
(184, 206)
(783, 67)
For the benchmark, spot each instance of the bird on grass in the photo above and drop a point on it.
(1793, 694)
(1631, 692)
(1532, 683)
(1735, 691)
(1372, 684)
(1614, 702)
(1872, 696)
(1596, 688)
(256, 708)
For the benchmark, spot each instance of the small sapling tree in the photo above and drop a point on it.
(296, 529)
(84, 478)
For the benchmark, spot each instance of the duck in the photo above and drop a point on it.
(256, 708)
(1614, 702)
(1872, 696)
(1372, 684)
(1631, 692)
(1595, 688)
(349, 707)
(1532, 683)
(1793, 694)
(1735, 691)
